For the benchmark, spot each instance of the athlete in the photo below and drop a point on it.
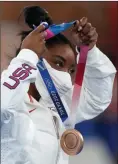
(30, 125)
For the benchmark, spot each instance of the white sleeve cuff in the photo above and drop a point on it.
(29, 56)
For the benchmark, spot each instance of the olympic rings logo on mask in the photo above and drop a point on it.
(48, 83)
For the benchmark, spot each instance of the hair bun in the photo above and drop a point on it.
(35, 15)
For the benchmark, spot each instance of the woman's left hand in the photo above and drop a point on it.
(83, 33)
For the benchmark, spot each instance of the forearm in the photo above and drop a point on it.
(97, 85)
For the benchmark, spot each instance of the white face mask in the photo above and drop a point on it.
(62, 81)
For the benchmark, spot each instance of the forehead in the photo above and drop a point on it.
(64, 51)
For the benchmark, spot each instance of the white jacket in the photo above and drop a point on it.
(30, 131)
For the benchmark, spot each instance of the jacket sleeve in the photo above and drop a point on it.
(17, 128)
(97, 86)
(16, 79)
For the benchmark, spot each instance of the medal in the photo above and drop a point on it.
(72, 142)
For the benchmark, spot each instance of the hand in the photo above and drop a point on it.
(84, 34)
(35, 41)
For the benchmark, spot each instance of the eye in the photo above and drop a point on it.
(59, 64)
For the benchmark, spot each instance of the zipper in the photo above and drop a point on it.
(56, 128)
(56, 124)
(58, 153)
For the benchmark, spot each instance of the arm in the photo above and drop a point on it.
(17, 129)
(16, 79)
(21, 72)
(99, 75)
(97, 87)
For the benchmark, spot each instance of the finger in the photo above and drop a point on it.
(88, 40)
(83, 21)
(85, 38)
(94, 37)
(43, 35)
(39, 29)
(43, 41)
(42, 44)
(75, 27)
(87, 28)
(92, 32)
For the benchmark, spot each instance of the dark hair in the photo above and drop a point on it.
(34, 15)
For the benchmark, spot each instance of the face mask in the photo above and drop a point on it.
(67, 99)
(62, 81)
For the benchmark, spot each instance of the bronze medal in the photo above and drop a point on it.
(72, 142)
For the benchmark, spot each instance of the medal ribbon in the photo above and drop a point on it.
(78, 83)
(52, 90)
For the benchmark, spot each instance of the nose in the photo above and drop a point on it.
(72, 76)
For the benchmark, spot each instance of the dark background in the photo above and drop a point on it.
(103, 15)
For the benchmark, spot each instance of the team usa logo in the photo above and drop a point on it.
(19, 75)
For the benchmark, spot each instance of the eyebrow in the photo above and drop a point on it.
(60, 57)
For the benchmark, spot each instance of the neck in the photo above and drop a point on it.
(33, 92)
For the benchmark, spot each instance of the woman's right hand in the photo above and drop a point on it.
(35, 41)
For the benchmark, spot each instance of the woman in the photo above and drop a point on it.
(31, 127)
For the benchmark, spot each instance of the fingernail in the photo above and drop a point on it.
(79, 28)
(77, 22)
(43, 26)
(83, 19)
